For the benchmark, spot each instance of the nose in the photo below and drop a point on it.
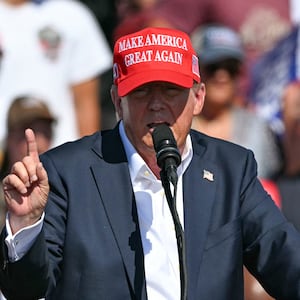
(222, 73)
(156, 101)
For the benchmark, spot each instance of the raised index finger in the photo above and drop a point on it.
(32, 149)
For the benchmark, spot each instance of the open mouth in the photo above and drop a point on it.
(154, 125)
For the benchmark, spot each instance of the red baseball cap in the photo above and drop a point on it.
(154, 54)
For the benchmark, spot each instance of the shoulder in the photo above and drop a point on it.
(228, 156)
(74, 152)
(66, 4)
(71, 9)
(215, 144)
(90, 147)
(249, 119)
(248, 124)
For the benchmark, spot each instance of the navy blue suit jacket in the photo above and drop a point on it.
(90, 246)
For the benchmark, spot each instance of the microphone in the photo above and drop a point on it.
(167, 153)
(168, 159)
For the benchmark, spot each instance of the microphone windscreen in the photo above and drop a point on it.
(162, 134)
(165, 146)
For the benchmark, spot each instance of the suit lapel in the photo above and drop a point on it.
(199, 193)
(114, 184)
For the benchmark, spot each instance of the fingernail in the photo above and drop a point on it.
(23, 191)
(33, 178)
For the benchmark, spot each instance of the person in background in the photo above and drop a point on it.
(288, 180)
(106, 15)
(260, 23)
(26, 111)
(221, 62)
(132, 15)
(70, 235)
(105, 12)
(56, 50)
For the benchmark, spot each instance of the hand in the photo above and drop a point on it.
(26, 188)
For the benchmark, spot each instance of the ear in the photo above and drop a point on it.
(116, 100)
(199, 93)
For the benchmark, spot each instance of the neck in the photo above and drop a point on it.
(216, 124)
(215, 111)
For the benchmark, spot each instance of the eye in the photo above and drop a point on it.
(173, 90)
(140, 91)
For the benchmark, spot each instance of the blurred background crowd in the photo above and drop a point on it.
(56, 73)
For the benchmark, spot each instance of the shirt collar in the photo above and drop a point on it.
(137, 165)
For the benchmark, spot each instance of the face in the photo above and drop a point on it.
(155, 103)
(16, 141)
(220, 81)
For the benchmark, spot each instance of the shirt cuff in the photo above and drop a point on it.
(19, 243)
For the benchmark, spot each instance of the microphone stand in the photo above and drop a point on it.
(178, 230)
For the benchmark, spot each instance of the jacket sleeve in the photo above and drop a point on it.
(27, 278)
(271, 243)
(38, 271)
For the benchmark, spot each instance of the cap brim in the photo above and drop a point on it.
(130, 83)
(211, 56)
(27, 119)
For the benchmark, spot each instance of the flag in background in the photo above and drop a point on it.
(271, 74)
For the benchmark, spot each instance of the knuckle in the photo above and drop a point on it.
(16, 166)
(19, 171)
(27, 160)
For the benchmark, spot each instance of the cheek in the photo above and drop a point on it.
(191, 108)
(43, 144)
(17, 150)
(124, 107)
(131, 110)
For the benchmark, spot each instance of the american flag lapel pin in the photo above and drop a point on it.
(208, 175)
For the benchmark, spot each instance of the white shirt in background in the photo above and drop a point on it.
(46, 49)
